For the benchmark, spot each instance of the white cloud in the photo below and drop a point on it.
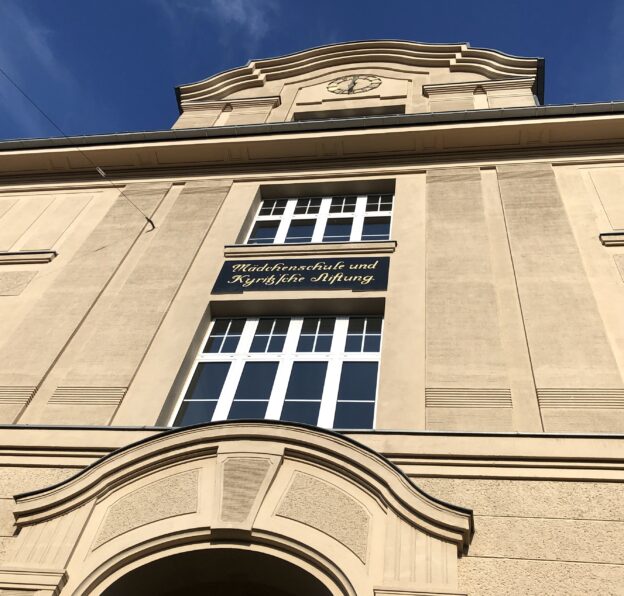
(26, 52)
(248, 21)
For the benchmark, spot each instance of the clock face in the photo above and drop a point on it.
(354, 84)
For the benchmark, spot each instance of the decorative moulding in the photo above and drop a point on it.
(327, 451)
(231, 104)
(27, 257)
(48, 581)
(455, 397)
(19, 395)
(471, 86)
(594, 398)
(612, 238)
(400, 592)
(92, 396)
(312, 249)
(456, 57)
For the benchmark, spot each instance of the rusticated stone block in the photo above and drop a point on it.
(6, 517)
(531, 498)
(325, 507)
(554, 539)
(171, 496)
(502, 577)
(242, 478)
(15, 480)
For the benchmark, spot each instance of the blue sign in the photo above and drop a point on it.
(361, 274)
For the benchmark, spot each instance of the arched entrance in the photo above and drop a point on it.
(218, 572)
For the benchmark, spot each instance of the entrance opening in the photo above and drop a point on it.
(218, 572)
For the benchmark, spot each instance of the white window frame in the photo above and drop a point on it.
(321, 218)
(286, 358)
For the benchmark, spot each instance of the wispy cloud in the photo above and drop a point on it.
(246, 21)
(27, 55)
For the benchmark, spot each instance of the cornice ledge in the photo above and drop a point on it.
(612, 238)
(471, 86)
(27, 257)
(315, 248)
(328, 450)
(50, 580)
(197, 105)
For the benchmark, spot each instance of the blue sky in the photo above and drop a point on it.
(98, 66)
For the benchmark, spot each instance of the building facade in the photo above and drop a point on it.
(353, 326)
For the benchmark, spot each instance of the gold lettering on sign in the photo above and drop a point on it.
(338, 273)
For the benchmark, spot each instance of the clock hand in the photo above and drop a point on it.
(352, 84)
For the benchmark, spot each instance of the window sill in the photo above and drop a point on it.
(27, 257)
(309, 248)
(612, 238)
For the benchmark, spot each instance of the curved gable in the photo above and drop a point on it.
(410, 77)
(297, 490)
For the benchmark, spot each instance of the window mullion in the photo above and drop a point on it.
(321, 220)
(330, 393)
(249, 330)
(286, 218)
(292, 337)
(340, 335)
(358, 219)
(229, 389)
(278, 393)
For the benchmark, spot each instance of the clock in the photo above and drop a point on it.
(354, 84)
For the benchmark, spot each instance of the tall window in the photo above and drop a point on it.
(317, 370)
(322, 219)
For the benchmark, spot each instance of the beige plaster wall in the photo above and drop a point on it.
(539, 537)
(19, 479)
(502, 311)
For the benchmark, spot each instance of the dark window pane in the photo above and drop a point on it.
(309, 325)
(256, 382)
(338, 230)
(220, 326)
(372, 343)
(373, 325)
(230, 343)
(358, 380)
(259, 343)
(277, 343)
(247, 409)
(281, 326)
(327, 325)
(264, 326)
(354, 343)
(236, 328)
(376, 228)
(323, 343)
(195, 412)
(354, 415)
(266, 207)
(263, 232)
(306, 343)
(207, 380)
(306, 380)
(356, 325)
(306, 412)
(213, 345)
(300, 231)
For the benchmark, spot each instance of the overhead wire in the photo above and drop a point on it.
(97, 168)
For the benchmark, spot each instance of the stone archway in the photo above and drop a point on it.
(320, 503)
(218, 572)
